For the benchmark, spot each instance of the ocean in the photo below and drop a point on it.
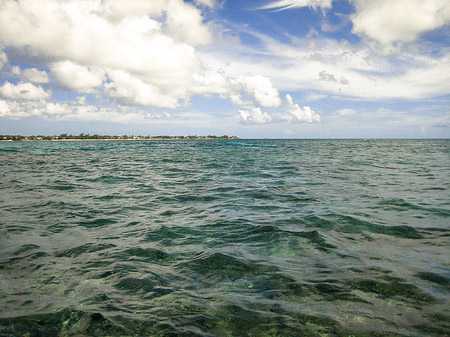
(225, 238)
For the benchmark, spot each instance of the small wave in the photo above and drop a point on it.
(435, 278)
(163, 233)
(150, 287)
(10, 150)
(102, 222)
(25, 248)
(402, 205)
(87, 248)
(272, 234)
(392, 287)
(148, 254)
(350, 224)
(60, 187)
(218, 264)
(67, 322)
(114, 196)
(108, 179)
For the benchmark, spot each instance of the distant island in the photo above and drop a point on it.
(83, 136)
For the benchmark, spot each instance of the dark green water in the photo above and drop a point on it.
(225, 238)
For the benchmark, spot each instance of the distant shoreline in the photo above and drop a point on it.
(82, 137)
(9, 138)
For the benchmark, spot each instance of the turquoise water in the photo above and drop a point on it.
(225, 238)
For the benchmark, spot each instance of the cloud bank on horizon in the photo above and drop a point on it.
(286, 65)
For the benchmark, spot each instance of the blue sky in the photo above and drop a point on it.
(255, 69)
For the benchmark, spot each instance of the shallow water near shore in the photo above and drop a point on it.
(225, 238)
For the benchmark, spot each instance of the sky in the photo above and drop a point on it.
(249, 68)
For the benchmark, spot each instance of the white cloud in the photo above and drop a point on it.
(184, 22)
(206, 3)
(256, 88)
(325, 76)
(76, 77)
(359, 72)
(299, 115)
(151, 40)
(18, 110)
(4, 107)
(177, 18)
(23, 91)
(158, 116)
(315, 96)
(254, 116)
(346, 112)
(384, 21)
(3, 59)
(30, 74)
(119, 9)
(134, 90)
(387, 21)
(70, 111)
(237, 100)
(288, 4)
(81, 100)
(15, 70)
(133, 52)
(291, 114)
(260, 89)
(35, 75)
(211, 82)
(56, 109)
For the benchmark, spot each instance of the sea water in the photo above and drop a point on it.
(225, 238)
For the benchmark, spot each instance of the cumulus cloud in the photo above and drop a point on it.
(184, 22)
(260, 89)
(30, 74)
(300, 115)
(288, 4)
(18, 110)
(359, 72)
(292, 113)
(387, 21)
(254, 116)
(132, 52)
(119, 9)
(211, 82)
(75, 111)
(132, 89)
(15, 70)
(23, 91)
(3, 59)
(384, 21)
(76, 77)
(152, 40)
(22, 109)
(242, 90)
(34, 75)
